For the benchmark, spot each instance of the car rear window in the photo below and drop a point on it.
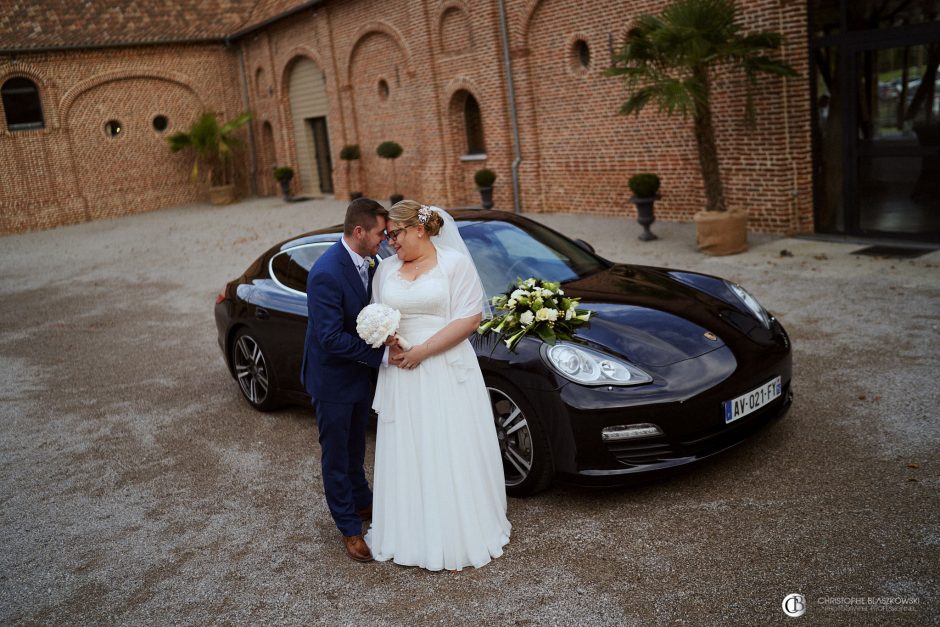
(290, 267)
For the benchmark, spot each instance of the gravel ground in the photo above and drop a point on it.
(138, 488)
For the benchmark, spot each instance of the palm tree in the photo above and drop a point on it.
(669, 59)
(213, 145)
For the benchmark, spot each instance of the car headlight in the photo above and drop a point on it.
(750, 302)
(590, 367)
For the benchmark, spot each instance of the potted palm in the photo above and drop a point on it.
(213, 145)
(484, 180)
(350, 153)
(283, 175)
(391, 151)
(645, 188)
(669, 59)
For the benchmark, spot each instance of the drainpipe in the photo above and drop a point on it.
(252, 179)
(794, 192)
(513, 118)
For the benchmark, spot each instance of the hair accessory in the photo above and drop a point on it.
(424, 214)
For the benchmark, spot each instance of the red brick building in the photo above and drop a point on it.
(511, 85)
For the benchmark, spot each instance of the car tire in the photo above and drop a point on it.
(523, 441)
(252, 371)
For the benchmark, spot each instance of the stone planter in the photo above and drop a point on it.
(285, 188)
(486, 197)
(721, 232)
(222, 195)
(645, 216)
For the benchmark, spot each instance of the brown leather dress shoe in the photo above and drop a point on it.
(365, 513)
(357, 549)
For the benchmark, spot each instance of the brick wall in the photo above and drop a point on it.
(577, 152)
(72, 170)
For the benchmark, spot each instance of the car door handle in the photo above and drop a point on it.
(262, 314)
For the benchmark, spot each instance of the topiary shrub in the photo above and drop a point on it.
(350, 152)
(484, 178)
(644, 185)
(283, 173)
(389, 150)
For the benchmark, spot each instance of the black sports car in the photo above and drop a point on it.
(674, 366)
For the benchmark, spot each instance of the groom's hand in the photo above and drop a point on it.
(395, 355)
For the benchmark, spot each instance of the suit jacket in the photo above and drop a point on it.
(338, 365)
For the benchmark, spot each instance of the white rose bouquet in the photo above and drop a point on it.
(376, 322)
(535, 306)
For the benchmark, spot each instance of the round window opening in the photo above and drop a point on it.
(383, 89)
(113, 128)
(160, 123)
(582, 54)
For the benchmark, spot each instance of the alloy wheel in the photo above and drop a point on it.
(515, 437)
(251, 370)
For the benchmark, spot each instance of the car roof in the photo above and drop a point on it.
(332, 233)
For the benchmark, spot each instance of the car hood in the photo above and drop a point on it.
(630, 316)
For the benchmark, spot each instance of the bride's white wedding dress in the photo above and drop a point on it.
(439, 493)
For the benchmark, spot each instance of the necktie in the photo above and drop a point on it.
(364, 273)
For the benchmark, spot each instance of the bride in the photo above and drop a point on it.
(439, 494)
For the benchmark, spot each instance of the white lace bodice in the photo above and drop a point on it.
(427, 295)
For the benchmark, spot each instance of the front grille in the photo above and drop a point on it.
(640, 452)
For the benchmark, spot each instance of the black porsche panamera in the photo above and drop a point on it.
(674, 366)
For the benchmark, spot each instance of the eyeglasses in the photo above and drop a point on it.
(393, 235)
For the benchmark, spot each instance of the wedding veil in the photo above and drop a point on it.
(449, 237)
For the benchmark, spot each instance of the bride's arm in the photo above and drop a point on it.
(454, 333)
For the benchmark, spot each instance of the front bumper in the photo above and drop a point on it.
(686, 405)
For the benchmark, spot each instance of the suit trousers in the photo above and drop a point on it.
(342, 455)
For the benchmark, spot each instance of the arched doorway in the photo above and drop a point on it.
(309, 107)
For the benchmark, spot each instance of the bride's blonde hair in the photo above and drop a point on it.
(412, 213)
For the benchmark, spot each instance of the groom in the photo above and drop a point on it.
(338, 366)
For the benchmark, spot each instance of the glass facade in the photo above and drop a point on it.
(876, 131)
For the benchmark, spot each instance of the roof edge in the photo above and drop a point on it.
(120, 44)
(247, 30)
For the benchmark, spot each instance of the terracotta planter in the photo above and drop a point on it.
(222, 195)
(721, 232)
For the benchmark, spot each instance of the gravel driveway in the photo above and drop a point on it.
(138, 488)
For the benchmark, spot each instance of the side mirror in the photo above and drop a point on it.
(584, 245)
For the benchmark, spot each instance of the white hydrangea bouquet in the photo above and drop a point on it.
(535, 306)
(376, 322)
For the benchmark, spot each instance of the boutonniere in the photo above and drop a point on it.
(371, 263)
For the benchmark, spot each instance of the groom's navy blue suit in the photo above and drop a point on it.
(337, 373)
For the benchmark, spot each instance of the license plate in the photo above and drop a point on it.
(752, 401)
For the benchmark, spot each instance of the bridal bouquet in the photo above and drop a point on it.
(376, 322)
(535, 306)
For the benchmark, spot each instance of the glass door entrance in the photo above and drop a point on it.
(877, 118)
(898, 144)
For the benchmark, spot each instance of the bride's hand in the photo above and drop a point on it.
(413, 358)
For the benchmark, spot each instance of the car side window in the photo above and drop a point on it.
(290, 267)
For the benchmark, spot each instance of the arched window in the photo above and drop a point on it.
(473, 125)
(21, 104)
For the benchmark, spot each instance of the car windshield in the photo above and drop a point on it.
(503, 252)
